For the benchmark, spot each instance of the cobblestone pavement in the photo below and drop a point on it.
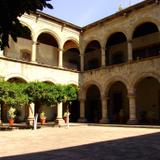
(81, 143)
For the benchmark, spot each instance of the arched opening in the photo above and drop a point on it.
(47, 50)
(116, 49)
(93, 108)
(146, 41)
(24, 43)
(92, 56)
(118, 110)
(16, 80)
(148, 101)
(71, 56)
(21, 111)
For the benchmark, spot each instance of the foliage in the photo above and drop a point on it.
(42, 115)
(10, 10)
(11, 113)
(70, 93)
(11, 94)
(19, 94)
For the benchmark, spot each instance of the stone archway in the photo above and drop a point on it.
(116, 49)
(148, 100)
(92, 55)
(93, 109)
(71, 55)
(47, 49)
(118, 107)
(145, 41)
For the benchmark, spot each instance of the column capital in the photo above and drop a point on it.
(60, 49)
(35, 43)
(129, 40)
(131, 95)
(81, 99)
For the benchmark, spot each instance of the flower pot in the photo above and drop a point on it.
(43, 121)
(11, 122)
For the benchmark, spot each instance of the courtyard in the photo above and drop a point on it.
(81, 142)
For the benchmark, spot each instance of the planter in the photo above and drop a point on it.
(43, 121)
(11, 122)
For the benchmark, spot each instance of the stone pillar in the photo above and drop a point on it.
(60, 58)
(82, 62)
(59, 119)
(82, 111)
(130, 56)
(104, 110)
(34, 52)
(31, 114)
(103, 63)
(132, 109)
(1, 53)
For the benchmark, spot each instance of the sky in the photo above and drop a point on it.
(84, 12)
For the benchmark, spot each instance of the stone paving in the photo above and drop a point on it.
(81, 143)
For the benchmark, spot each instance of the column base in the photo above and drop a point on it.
(30, 121)
(104, 121)
(82, 120)
(60, 122)
(132, 121)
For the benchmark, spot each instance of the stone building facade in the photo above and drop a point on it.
(115, 62)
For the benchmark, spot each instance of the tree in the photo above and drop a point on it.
(10, 10)
(11, 94)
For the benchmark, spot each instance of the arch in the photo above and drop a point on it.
(93, 107)
(89, 41)
(147, 100)
(52, 33)
(116, 49)
(145, 43)
(141, 76)
(92, 55)
(141, 29)
(48, 39)
(15, 75)
(141, 21)
(30, 27)
(75, 83)
(47, 79)
(118, 105)
(116, 30)
(48, 52)
(87, 85)
(74, 40)
(114, 79)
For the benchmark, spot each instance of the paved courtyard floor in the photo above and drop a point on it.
(81, 143)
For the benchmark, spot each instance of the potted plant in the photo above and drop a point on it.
(11, 115)
(42, 118)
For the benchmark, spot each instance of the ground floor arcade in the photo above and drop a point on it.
(121, 104)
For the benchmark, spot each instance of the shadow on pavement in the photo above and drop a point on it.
(146, 147)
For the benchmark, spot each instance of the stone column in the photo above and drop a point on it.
(129, 44)
(31, 114)
(34, 52)
(1, 53)
(104, 110)
(103, 57)
(82, 111)
(82, 62)
(132, 109)
(59, 119)
(60, 58)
